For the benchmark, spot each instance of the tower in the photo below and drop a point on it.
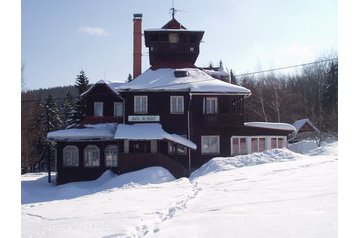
(172, 46)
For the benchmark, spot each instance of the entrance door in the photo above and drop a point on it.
(139, 146)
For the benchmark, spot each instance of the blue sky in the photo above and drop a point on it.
(59, 38)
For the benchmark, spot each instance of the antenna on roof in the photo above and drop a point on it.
(173, 9)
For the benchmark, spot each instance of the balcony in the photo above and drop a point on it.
(223, 120)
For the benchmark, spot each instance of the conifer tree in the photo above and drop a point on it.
(80, 105)
(68, 109)
(233, 79)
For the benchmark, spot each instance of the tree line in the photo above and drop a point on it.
(311, 92)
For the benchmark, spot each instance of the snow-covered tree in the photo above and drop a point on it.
(80, 105)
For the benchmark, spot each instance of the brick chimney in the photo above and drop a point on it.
(137, 44)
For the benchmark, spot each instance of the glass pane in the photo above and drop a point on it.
(254, 147)
(261, 144)
(214, 145)
(280, 143)
(235, 146)
(273, 143)
(243, 146)
(118, 109)
(98, 109)
(205, 144)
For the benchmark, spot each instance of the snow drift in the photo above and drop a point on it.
(36, 189)
(228, 163)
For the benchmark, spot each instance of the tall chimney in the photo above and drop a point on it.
(137, 44)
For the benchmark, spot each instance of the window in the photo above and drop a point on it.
(210, 144)
(280, 143)
(110, 154)
(140, 104)
(118, 109)
(261, 144)
(176, 104)
(91, 154)
(98, 109)
(70, 156)
(254, 146)
(173, 38)
(210, 105)
(176, 148)
(277, 142)
(273, 143)
(238, 146)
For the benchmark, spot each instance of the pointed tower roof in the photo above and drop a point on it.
(173, 24)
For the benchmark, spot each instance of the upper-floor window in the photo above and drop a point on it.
(70, 155)
(173, 38)
(118, 109)
(98, 109)
(141, 104)
(91, 156)
(210, 105)
(176, 104)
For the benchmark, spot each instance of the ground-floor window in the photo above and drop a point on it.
(70, 156)
(111, 156)
(277, 142)
(210, 144)
(238, 145)
(251, 144)
(91, 156)
(176, 149)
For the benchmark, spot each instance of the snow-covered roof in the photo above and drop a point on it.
(111, 84)
(300, 123)
(196, 80)
(271, 125)
(103, 131)
(149, 131)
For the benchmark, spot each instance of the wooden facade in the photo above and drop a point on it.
(206, 118)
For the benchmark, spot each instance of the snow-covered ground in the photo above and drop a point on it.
(277, 193)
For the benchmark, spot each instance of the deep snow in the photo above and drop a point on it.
(242, 196)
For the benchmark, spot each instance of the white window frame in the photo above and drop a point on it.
(73, 152)
(92, 156)
(175, 106)
(232, 145)
(95, 106)
(173, 148)
(111, 156)
(211, 151)
(284, 141)
(206, 103)
(140, 104)
(115, 113)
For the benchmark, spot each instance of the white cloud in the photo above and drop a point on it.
(97, 31)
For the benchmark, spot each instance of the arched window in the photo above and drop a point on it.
(70, 156)
(91, 154)
(110, 154)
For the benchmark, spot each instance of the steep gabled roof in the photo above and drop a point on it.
(300, 123)
(112, 86)
(173, 24)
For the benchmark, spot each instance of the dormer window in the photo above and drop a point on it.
(173, 38)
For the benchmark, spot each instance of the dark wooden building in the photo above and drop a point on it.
(173, 115)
